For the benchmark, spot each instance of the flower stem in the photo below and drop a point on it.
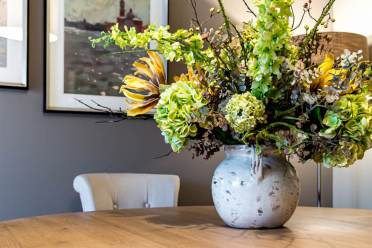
(226, 19)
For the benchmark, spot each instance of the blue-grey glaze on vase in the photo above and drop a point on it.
(255, 191)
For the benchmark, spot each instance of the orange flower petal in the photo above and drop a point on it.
(159, 66)
(142, 69)
(136, 96)
(139, 84)
(142, 109)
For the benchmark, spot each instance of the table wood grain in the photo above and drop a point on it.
(186, 227)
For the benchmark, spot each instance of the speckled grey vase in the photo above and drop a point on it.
(251, 191)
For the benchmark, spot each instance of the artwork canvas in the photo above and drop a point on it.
(77, 71)
(3, 22)
(13, 43)
(99, 71)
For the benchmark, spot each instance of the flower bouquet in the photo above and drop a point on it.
(254, 90)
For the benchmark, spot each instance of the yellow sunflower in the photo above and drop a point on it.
(142, 89)
(328, 73)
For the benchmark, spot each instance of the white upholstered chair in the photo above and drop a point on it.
(124, 191)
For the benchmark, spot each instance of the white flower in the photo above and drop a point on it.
(310, 99)
(348, 58)
(331, 98)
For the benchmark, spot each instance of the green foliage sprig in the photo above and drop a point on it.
(183, 45)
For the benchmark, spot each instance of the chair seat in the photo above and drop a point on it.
(124, 190)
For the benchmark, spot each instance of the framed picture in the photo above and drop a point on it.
(13, 43)
(76, 72)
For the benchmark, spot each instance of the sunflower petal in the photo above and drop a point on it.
(181, 77)
(142, 109)
(325, 76)
(156, 68)
(142, 69)
(152, 67)
(159, 65)
(139, 84)
(143, 88)
(191, 74)
(136, 96)
(327, 64)
(143, 103)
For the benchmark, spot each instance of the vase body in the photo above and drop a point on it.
(255, 191)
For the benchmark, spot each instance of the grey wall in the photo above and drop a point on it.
(40, 154)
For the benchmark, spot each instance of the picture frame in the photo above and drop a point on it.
(14, 44)
(79, 78)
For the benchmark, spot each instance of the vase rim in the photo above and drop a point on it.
(238, 147)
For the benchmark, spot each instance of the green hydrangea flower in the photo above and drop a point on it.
(181, 107)
(349, 106)
(333, 121)
(349, 122)
(244, 112)
(350, 117)
(345, 155)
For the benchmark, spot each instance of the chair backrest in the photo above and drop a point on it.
(122, 191)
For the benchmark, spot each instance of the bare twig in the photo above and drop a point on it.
(242, 43)
(299, 24)
(115, 116)
(164, 155)
(109, 110)
(306, 48)
(249, 8)
(196, 15)
(226, 20)
(98, 109)
(311, 16)
(200, 26)
(324, 14)
(293, 17)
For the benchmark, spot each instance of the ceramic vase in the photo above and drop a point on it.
(255, 191)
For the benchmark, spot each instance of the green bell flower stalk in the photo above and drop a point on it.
(273, 41)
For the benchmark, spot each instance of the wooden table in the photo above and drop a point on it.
(186, 227)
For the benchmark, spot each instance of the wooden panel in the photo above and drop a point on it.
(337, 42)
(186, 227)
